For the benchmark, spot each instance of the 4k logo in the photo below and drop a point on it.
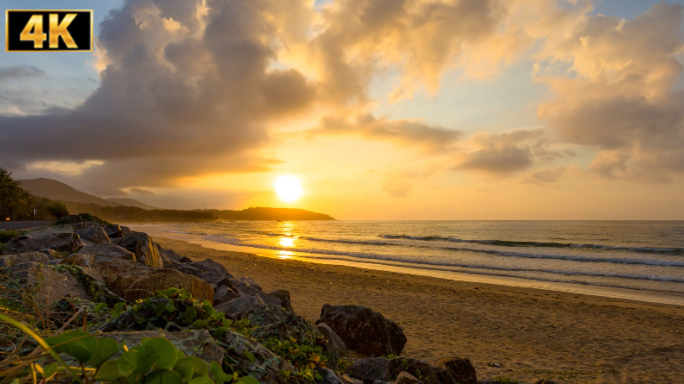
(58, 30)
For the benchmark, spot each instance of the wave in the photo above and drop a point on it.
(540, 244)
(376, 257)
(614, 260)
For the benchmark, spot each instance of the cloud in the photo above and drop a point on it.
(185, 92)
(19, 71)
(505, 153)
(545, 176)
(403, 132)
(619, 99)
(142, 192)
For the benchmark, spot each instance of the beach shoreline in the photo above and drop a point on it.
(530, 333)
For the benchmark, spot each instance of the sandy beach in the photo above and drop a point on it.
(517, 333)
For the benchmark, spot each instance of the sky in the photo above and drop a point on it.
(383, 109)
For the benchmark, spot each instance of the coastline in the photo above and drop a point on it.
(531, 333)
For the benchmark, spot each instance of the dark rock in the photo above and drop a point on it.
(407, 378)
(266, 366)
(460, 369)
(69, 219)
(369, 370)
(9, 260)
(247, 287)
(328, 377)
(240, 305)
(364, 330)
(144, 248)
(94, 233)
(223, 294)
(108, 250)
(198, 343)
(544, 381)
(59, 241)
(350, 380)
(170, 259)
(274, 321)
(185, 260)
(126, 231)
(207, 270)
(284, 297)
(113, 231)
(335, 343)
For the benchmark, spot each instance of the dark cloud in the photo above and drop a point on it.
(140, 191)
(402, 132)
(19, 71)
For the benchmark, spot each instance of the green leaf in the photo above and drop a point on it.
(99, 307)
(162, 376)
(200, 324)
(248, 380)
(179, 354)
(161, 352)
(190, 367)
(50, 370)
(202, 380)
(106, 348)
(79, 345)
(108, 372)
(249, 356)
(130, 362)
(219, 375)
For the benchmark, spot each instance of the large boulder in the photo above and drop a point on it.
(245, 286)
(9, 260)
(135, 281)
(335, 343)
(328, 377)
(93, 233)
(66, 241)
(460, 369)
(145, 249)
(108, 250)
(369, 370)
(364, 330)
(445, 370)
(113, 231)
(207, 270)
(407, 378)
(223, 294)
(284, 296)
(237, 307)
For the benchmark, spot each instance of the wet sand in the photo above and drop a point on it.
(530, 333)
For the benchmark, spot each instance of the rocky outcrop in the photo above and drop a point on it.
(445, 370)
(460, 369)
(66, 241)
(94, 234)
(240, 305)
(108, 250)
(207, 270)
(369, 370)
(9, 260)
(364, 330)
(139, 282)
(284, 297)
(223, 294)
(113, 231)
(328, 377)
(143, 247)
(247, 287)
(335, 343)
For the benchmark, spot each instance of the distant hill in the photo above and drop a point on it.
(265, 213)
(55, 190)
(131, 202)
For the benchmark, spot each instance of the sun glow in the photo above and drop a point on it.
(288, 188)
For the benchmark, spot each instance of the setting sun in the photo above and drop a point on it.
(288, 188)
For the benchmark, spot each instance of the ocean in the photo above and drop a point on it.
(642, 260)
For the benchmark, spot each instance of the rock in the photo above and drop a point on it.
(63, 242)
(247, 287)
(135, 281)
(126, 231)
(335, 343)
(108, 250)
(284, 297)
(144, 248)
(170, 259)
(407, 378)
(266, 365)
(223, 294)
(94, 233)
(46, 284)
(198, 343)
(329, 377)
(381, 382)
(544, 381)
(460, 369)
(9, 260)
(113, 231)
(69, 219)
(207, 270)
(369, 370)
(364, 330)
(240, 305)
(184, 259)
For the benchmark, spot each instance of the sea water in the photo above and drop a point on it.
(630, 259)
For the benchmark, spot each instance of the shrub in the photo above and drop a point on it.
(57, 209)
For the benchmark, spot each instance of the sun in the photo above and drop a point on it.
(288, 188)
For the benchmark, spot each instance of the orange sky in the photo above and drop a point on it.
(383, 109)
